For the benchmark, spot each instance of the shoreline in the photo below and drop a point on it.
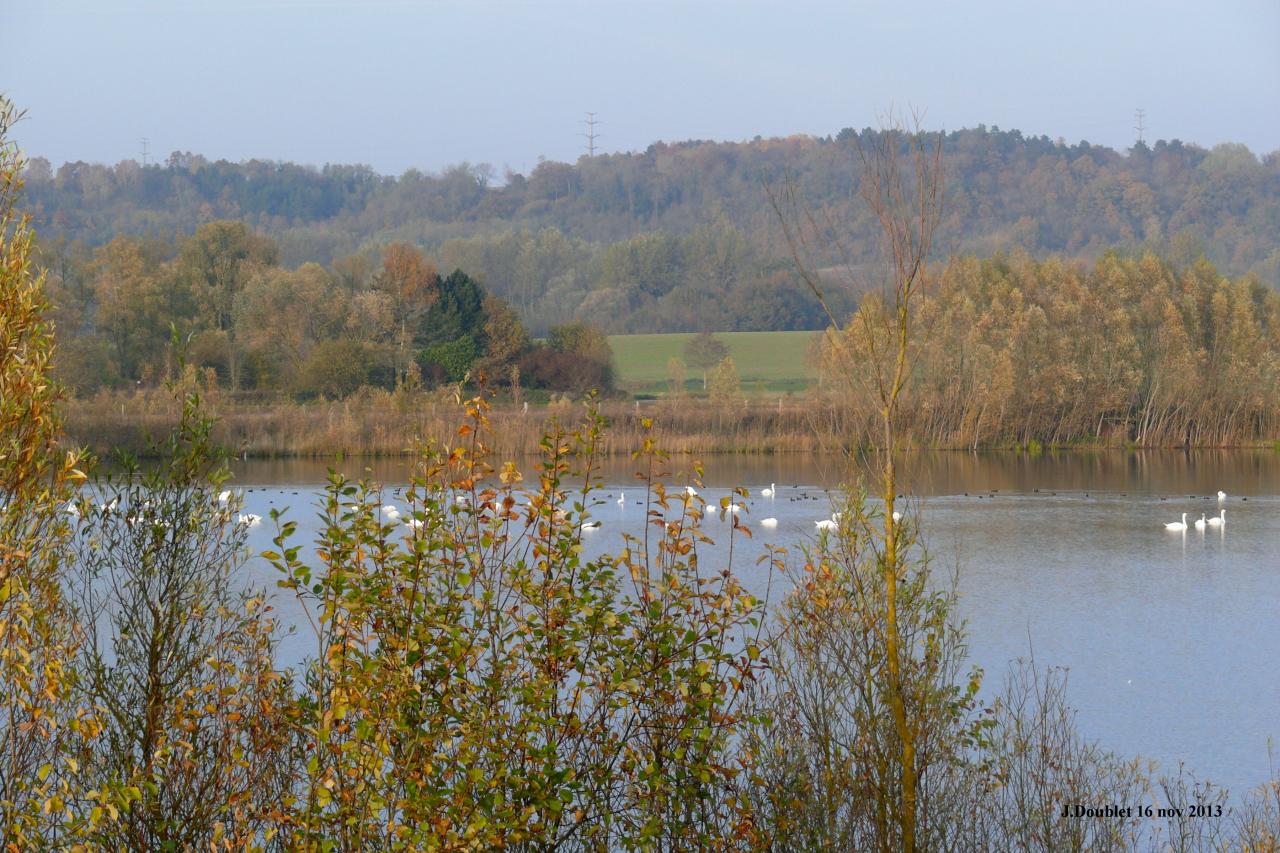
(387, 426)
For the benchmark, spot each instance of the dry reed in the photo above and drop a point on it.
(378, 423)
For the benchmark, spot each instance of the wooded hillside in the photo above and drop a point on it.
(680, 237)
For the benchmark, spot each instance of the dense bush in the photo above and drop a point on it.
(449, 361)
(336, 368)
(544, 367)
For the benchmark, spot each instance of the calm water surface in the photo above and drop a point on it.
(1172, 640)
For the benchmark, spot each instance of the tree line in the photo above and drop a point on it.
(1014, 350)
(712, 278)
(220, 296)
(1010, 349)
(1004, 190)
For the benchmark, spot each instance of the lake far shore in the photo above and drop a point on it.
(381, 424)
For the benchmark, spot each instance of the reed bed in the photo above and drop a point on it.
(378, 423)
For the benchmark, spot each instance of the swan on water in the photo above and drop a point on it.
(224, 496)
(768, 493)
(622, 498)
(897, 516)
(591, 525)
(826, 524)
(1200, 523)
(1177, 525)
(769, 522)
(1222, 496)
(1219, 520)
(691, 491)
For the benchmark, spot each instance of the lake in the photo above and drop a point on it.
(1171, 639)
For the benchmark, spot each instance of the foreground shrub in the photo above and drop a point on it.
(194, 749)
(40, 724)
(828, 773)
(478, 682)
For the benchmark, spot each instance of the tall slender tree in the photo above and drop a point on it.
(901, 185)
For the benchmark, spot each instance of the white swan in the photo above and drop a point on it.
(391, 512)
(413, 523)
(1200, 523)
(591, 526)
(826, 524)
(897, 516)
(224, 496)
(1219, 520)
(622, 498)
(768, 493)
(250, 520)
(1177, 525)
(734, 507)
(769, 522)
(1222, 496)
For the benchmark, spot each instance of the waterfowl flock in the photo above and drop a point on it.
(772, 493)
(1218, 521)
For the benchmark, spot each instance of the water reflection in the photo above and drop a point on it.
(1201, 473)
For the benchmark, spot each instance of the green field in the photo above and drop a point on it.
(766, 361)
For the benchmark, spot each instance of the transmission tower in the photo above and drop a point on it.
(1141, 125)
(145, 151)
(591, 136)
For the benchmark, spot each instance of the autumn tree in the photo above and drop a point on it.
(282, 315)
(675, 377)
(504, 335)
(704, 351)
(725, 385)
(219, 259)
(412, 283)
(132, 311)
(41, 730)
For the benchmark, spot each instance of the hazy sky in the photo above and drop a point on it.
(425, 83)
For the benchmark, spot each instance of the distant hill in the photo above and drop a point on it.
(680, 236)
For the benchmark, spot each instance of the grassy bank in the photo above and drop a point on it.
(766, 361)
